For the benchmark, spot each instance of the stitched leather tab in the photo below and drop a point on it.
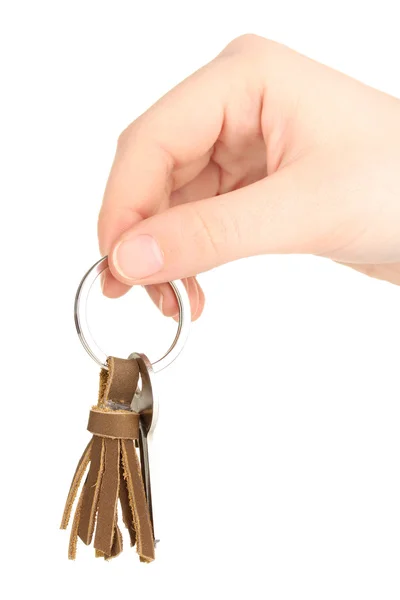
(114, 424)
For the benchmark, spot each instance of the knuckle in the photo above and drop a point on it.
(254, 52)
(217, 237)
(248, 42)
(130, 133)
(123, 137)
(206, 233)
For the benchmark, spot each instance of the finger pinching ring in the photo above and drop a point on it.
(90, 345)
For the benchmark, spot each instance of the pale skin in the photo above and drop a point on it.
(262, 151)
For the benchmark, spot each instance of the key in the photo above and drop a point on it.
(143, 402)
(128, 432)
(145, 465)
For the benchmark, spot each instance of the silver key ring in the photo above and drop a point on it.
(90, 345)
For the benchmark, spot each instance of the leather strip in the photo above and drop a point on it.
(114, 472)
(119, 383)
(117, 543)
(91, 491)
(108, 498)
(126, 508)
(114, 424)
(73, 539)
(138, 502)
(76, 481)
(117, 546)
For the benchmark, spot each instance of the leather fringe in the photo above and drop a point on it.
(114, 475)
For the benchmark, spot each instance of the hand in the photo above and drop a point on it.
(261, 151)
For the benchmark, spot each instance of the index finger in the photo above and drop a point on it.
(179, 129)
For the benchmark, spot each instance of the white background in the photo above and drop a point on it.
(277, 455)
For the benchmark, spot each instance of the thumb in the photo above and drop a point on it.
(265, 217)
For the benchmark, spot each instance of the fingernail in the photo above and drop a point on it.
(138, 257)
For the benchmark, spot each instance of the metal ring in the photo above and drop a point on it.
(86, 337)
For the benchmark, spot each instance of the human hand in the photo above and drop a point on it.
(261, 151)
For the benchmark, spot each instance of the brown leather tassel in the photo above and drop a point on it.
(114, 472)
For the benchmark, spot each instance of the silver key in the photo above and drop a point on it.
(144, 403)
(145, 465)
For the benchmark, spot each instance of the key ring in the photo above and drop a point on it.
(85, 335)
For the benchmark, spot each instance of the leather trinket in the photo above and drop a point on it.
(114, 473)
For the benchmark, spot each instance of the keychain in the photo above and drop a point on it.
(117, 458)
